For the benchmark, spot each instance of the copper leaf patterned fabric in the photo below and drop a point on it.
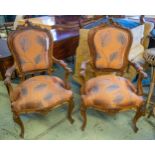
(110, 44)
(32, 49)
(39, 93)
(110, 92)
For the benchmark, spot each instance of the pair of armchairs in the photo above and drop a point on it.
(32, 49)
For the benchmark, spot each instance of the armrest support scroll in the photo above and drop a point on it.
(68, 71)
(7, 80)
(141, 76)
(83, 71)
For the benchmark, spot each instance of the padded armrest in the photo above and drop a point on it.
(62, 64)
(142, 75)
(83, 71)
(68, 71)
(83, 68)
(139, 69)
(8, 74)
(9, 71)
(7, 80)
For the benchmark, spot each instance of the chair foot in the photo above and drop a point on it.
(83, 114)
(17, 119)
(83, 127)
(140, 112)
(70, 110)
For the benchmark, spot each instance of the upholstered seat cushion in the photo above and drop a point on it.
(39, 93)
(111, 92)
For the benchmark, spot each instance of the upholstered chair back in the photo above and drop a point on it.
(109, 47)
(31, 48)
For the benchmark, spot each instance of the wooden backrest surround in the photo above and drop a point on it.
(96, 44)
(33, 46)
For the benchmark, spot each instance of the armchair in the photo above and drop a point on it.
(32, 50)
(109, 46)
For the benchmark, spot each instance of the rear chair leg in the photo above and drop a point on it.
(70, 110)
(17, 119)
(140, 112)
(151, 113)
(83, 114)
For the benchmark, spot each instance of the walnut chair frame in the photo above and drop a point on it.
(22, 75)
(139, 111)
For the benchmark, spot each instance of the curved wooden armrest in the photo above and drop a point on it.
(7, 80)
(142, 75)
(68, 71)
(10, 70)
(139, 69)
(8, 73)
(63, 64)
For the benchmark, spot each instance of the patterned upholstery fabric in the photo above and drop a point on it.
(38, 93)
(111, 45)
(110, 92)
(36, 43)
(83, 53)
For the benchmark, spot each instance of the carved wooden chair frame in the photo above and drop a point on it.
(28, 26)
(141, 21)
(140, 111)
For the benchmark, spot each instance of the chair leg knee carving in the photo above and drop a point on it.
(84, 115)
(70, 110)
(140, 112)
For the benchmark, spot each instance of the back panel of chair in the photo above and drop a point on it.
(109, 47)
(31, 47)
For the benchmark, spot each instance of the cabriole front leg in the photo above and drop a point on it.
(17, 119)
(70, 110)
(84, 116)
(140, 112)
